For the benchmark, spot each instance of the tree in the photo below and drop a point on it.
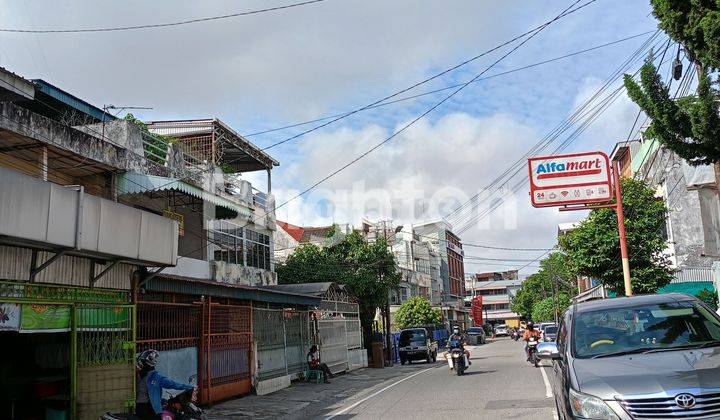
(544, 310)
(688, 126)
(709, 297)
(594, 247)
(368, 271)
(556, 275)
(417, 311)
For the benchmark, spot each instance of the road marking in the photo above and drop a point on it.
(548, 389)
(374, 394)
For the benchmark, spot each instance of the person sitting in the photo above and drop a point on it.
(530, 334)
(313, 359)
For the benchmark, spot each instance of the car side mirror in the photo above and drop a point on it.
(548, 350)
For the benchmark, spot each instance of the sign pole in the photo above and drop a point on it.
(621, 229)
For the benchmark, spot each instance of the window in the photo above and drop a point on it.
(227, 242)
(659, 327)
(234, 244)
(258, 249)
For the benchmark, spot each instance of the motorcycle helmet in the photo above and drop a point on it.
(530, 326)
(147, 359)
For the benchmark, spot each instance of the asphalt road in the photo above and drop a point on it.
(500, 384)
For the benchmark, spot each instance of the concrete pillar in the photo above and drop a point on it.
(44, 163)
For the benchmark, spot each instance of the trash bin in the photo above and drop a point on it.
(378, 355)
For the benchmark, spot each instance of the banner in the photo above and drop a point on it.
(105, 318)
(44, 318)
(9, 317)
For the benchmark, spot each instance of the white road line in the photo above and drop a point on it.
(548, 389)
(374, 394)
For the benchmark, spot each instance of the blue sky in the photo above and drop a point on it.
(265, 71)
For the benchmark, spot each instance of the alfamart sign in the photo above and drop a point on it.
(578, 178)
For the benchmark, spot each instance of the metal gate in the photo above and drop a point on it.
(334, 345)
(103, 373)
(227, 350)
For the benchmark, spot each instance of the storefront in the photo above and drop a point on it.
(68, 351)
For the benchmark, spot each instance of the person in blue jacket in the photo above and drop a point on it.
(148, 399)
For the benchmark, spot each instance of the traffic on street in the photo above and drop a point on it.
(371, 209)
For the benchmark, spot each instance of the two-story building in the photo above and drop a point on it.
(497, 290)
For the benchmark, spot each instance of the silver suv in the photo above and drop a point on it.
(644, 357)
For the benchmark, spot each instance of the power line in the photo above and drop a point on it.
(550, 60)
(432, 108)
(157, 25)
(531, 33)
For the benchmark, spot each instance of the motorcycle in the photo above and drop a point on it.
(456, 358)
(516, 335)
(179, 407)
(532, 352)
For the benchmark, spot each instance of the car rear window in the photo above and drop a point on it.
(410, 336)
(475, 330)
(551, 329)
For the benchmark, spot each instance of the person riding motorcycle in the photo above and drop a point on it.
(457, 336)
(530, 334)
(148, 400)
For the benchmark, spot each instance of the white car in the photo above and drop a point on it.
(501, 330)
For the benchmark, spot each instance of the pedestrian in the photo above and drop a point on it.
(313, 359)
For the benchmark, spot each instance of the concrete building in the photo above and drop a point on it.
(451, 282)
(690, 193)
(288, 237)
(116, 237)
(497, 290)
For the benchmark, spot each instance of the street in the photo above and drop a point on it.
(499, 385)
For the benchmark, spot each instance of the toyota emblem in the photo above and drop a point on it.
(685, 400)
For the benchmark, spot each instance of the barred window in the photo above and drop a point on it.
(227, 242)
(258, 249)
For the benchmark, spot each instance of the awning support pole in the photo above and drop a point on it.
(34, 271)
(149, 277)
(94, 279)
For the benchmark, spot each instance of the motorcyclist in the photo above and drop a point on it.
(530, 334)
(148, 399)
(458, 336)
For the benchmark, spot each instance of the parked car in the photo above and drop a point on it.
(476, 335)
(501, 329)
(653, 356)
(549, 333)
(417, 344)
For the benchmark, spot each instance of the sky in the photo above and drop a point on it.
(270, 70)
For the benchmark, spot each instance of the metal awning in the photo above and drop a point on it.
(135, 183)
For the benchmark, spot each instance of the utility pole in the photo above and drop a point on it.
(555, 297)
(388, 341)
(621, 229)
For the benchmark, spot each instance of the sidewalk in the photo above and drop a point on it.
(310, 400)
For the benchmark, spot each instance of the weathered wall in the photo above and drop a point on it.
(104, 388)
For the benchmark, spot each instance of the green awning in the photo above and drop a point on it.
(642, 155)
(688, 287)
(135, 183)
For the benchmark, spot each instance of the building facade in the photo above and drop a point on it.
(497, 290)
(690, 193)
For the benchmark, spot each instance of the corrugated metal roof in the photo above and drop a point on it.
(135, 183)
(72, 100)
(176, 284)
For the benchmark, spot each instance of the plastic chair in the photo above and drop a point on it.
(314, 374)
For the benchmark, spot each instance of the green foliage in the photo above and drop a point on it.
(367, 270)
(541, 284)
(689, 126)
(155, 145)
(417, 311)
(693, 23)
(594, 247)
(709, 297)
(544, 310)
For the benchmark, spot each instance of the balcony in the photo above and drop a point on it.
(39, 214)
